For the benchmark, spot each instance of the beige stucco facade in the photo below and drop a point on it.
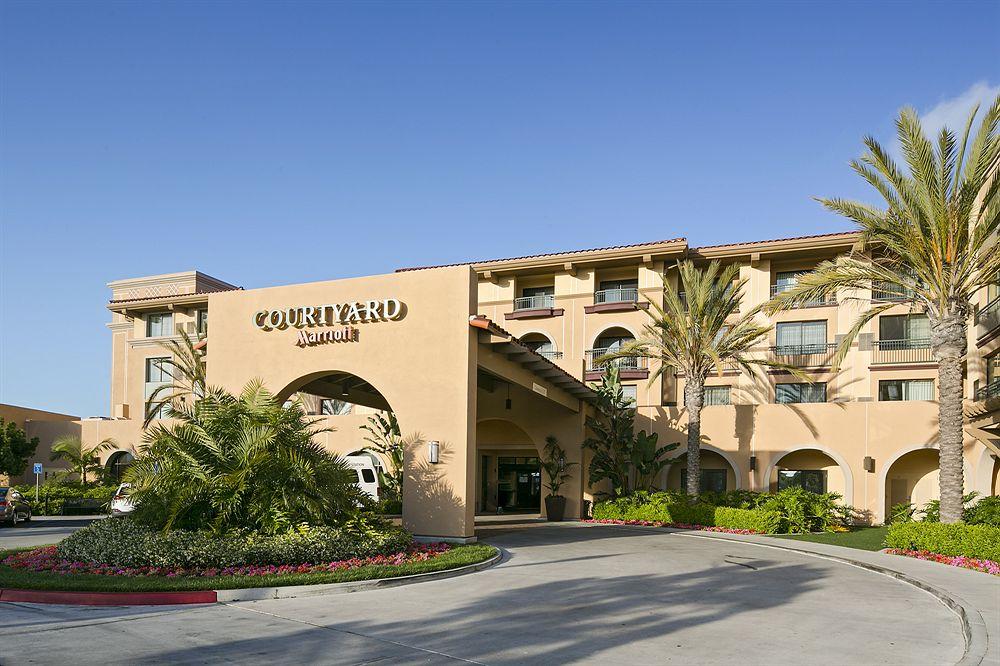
(449, 379)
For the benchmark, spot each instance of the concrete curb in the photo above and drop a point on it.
(295, 591)
(973, 626)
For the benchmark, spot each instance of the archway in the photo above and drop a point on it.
(117, 463)
(813, 467)
(508, 473)
(719, 472)
(542, 344)
(987, 473)
(910, 478)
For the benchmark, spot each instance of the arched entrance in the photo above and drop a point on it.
(912, 478)
(813, 468)
(509, 478)
(719, 472)
(116, 465)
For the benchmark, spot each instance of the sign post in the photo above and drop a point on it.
(38, 475)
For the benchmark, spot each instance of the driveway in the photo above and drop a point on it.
(42, 530)
(567, 594)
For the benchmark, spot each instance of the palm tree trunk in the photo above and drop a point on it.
(694, 398)
(948, 339)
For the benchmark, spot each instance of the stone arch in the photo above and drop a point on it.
(727, 457)
(896, 457)
(337, 384)
(609, 327)
(496, 432)
(841, 462)
(535, 336)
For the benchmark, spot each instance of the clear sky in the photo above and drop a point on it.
(281, 142)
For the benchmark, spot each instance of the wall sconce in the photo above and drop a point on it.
(433, 452)
(753, 463)
(507, 404)
(869, 464)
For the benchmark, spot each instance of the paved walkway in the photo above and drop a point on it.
(568, 593)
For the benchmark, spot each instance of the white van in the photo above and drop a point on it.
(367, 474)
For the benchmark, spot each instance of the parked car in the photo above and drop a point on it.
(121, 503)
(367, 474)
(13, 507)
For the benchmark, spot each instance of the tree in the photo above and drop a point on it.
(15, 449)
(385, 438)
(626, 460)
(553, 463)
(81, 459)
(243, 461)
(931, 245)
(187, 372)
(700, 333)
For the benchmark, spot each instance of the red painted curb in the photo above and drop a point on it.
(109, 598)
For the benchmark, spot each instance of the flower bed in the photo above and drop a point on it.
(681, 526)
(47, 559)
(986, 566)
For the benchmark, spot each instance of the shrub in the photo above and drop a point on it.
(673, 507)
(977, 541)
(124, 542)
(758, 520)
(984, 512)
(801, 510)
(52, 496)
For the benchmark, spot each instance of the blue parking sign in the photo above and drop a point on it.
(38, 468)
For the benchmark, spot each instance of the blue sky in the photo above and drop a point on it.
(278, 143)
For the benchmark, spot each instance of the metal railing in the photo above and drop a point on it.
(537, 302)
(805, 356)
(988, 317)
(828, 299)
(623, 295)
(629, 363)
(684, 301)
(549, 354)
(991, 390)
(913, 350)
(884, 291)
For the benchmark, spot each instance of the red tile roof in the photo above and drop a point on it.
(776, 240)
(168, 296)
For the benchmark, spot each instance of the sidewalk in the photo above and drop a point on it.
(976, 594)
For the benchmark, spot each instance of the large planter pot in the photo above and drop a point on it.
(555, 508)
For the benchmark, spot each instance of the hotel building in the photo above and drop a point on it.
(488, 358)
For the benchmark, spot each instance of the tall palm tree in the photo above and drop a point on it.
(930, 244)
(187, 372)
(699, 334)
(81, 459)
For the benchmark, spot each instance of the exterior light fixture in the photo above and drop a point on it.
(753, 463)
(433, 452)
(507, 403)
(869, 464)
(343, 390)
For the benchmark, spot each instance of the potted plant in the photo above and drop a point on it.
(556, 468)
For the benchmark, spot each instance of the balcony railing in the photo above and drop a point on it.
(804, 356)
(883, 291)
(549, 354)
(626, 363)
(991, 390)
(623, 295)
(914, 350)
(537, 302)
(818, 302)
(684, 301)
(988, 317)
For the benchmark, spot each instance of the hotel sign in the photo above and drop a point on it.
(330, 314)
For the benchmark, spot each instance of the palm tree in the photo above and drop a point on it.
(699, 334)
(186, 369)
(81, 459)
(241, 461)
(930, 244)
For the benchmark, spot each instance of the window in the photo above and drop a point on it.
(910, 331)
(538, 291)
(786, 280)
(334, 407)
(367, 475)
(813, 480)
(712, 480)
(543, 347)
(905, 389)
(159, 324)
(536, 297)
(618, 291)
(717, 395)
(801, 337)
(202, 319)
(789, 393)
(157, 375)
(630, 391)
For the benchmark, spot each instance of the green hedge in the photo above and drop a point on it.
(978, 541)
(123, 542)
(52, 496)
(669, 507)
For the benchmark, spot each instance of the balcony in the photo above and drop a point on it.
(988, 318)
(885, 292)
(534, 307)
(991, 390)
(629, 368)
(682, 296)
(615, 300)
(893, 352)
(817, 355)
(823, 301)
(549, 354)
